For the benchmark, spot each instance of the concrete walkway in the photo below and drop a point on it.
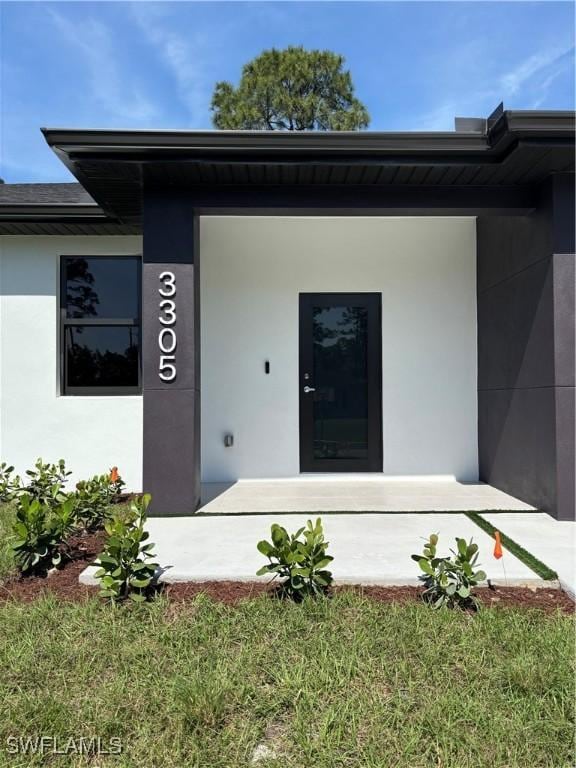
(368, 548)
(551, 541)
(354, 493)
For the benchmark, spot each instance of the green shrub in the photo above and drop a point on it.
(124, 567)
(9, 484)
(41, 531)
(46, 482)
(449, 580)
(94, 497)
(301, 564)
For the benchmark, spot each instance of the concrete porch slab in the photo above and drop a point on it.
(367, 548)
(354, 493)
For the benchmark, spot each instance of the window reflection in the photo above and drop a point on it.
(102, 356)
(102, 287)
(341, 382)
(100, 324)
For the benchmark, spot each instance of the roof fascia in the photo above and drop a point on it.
(511, 124)
(55, 213)
(71, 141)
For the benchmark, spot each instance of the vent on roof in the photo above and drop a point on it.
(478, 124)
(470, 124)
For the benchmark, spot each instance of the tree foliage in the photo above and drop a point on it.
(290, 90)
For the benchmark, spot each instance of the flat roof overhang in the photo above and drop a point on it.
(356, 173)
(496, 171)
(510, 126)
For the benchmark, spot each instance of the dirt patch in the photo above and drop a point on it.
(64, 584)
(548, 600)
(521, 597)
(229, 592)
(387, 594)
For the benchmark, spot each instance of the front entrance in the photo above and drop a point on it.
(340, 382)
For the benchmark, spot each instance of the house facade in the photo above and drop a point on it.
(211, 306)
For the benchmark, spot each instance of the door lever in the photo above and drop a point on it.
(309, 389)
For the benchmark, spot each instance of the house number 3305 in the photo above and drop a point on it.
(167, 333)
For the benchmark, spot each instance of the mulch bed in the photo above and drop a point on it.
(232, 592)
(64, 585)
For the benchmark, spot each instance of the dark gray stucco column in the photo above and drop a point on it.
(564, 292)
(171, 353)
(526, 395)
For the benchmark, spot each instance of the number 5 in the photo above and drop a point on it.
(167, 371)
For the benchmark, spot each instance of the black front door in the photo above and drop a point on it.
(340, 382)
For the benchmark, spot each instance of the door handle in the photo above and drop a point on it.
(309, 389)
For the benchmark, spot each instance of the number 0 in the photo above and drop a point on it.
(167, 340)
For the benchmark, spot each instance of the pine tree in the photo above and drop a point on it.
(290, 90)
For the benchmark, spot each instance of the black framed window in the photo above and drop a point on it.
(100, 325)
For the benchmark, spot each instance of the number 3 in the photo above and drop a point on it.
(168, 280)
(169, 309)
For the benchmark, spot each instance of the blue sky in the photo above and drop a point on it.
(153, 65)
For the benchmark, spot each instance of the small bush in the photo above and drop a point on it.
(449, 580)
(46, 482)
(9, 483)
(301, 564)
(41, 531)
(124, 567)
(94, 497)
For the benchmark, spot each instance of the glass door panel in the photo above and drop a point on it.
(340, 421)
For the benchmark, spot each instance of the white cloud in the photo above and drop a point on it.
(439, 119)
(120, 100)
(442, 117)
(513, 81)
(531, 77)
(185, 57)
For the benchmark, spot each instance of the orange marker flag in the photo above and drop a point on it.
(497, 545)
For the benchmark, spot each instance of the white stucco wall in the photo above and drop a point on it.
(90, 433)
(252, 270)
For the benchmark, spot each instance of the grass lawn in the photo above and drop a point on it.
(341, 682)
(7, 568)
